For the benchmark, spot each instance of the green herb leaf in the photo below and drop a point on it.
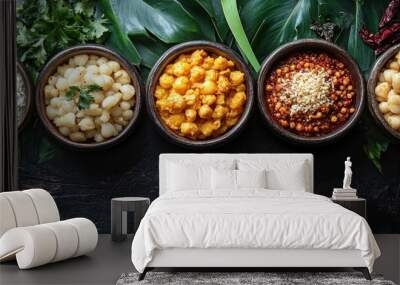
(232, 17)
(45, 27)
(71, 92)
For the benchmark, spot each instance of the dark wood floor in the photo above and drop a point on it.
(110, 259)
(103, 266)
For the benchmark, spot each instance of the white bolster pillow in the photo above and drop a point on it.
(7, 219)
(37, 245)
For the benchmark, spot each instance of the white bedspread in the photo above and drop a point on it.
(250, 219)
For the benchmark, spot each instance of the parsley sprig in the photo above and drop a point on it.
(85, 99)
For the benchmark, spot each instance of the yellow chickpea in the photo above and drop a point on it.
(166, 81)
(197, 74)
(181, 84)
(223, 84)
(236, 77)
(181, 68)
(220, 99)
(209, 99)
(219, 112)
(175, 121)
(220, 63)
(209, 87)
(169, 69)
(175, 102)
(197, 57)
(160, 92)
(237, 100)
(191, 115)
(211, 75)
(205, 112)
(189, 128)
(241, 88)
(208, 62)
(191, 97)
(207, 129)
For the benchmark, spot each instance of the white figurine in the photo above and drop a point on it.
(347, 174)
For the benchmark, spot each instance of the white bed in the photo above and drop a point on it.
(249, 227)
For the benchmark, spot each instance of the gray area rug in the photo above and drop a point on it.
(244, 278)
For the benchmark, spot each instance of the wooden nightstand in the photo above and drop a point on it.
(357, 205)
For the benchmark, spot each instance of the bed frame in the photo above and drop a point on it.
(251, 258)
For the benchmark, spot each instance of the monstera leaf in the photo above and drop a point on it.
(271, 23)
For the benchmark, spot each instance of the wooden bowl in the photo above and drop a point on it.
(309, 45)
(373, 105)
(169, 56)
(63, 57)
(29, 92)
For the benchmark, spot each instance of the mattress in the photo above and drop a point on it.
(251, 219)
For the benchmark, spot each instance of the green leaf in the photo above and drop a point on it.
(232, 17)
(214, 10)
(150, 49)
(118, 39)
(167, 20)
(356, 47)
(71, 92)
(271, 23)
(200, 15)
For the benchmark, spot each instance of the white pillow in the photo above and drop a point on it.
(223, 179)
(193, 175)
(281, 174)
(251, 178)
(226, 179)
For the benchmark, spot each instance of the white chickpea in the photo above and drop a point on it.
(87, 124)
(114, 65)
(67, 120)
(116, 86)
(105, 69)
(93, 110)
(116, 112)
(382, 89)
(127, 115)
(384, 107)
(88, 78)
(56, 102)
(77, 137)
(105, 117)
(394, 121)
(118, 128)
(80, 114)
(128, 91)
(388, 73)
(52, 80)
(107, 130)
(121, 121)
(111, 101)
(62, 68)
(66, 107)
(93, 69)
(98, 97)
(394, 108)
(64, 131)
(394, 98)
(396, 82)
(62, 83)
(81, 59)
(51, 112)
(104, 81)
(98, 138)
(101, 60)
(125, 105)
(122, 77)
(93, 57)
(75, 77)
(50, 91)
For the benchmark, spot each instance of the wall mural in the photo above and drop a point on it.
(91, 137)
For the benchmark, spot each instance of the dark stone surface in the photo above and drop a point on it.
(83, 183)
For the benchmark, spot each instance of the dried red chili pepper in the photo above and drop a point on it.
(368, 37)
(394, 40)
(390, 13)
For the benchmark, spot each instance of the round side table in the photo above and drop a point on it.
(119, 209)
